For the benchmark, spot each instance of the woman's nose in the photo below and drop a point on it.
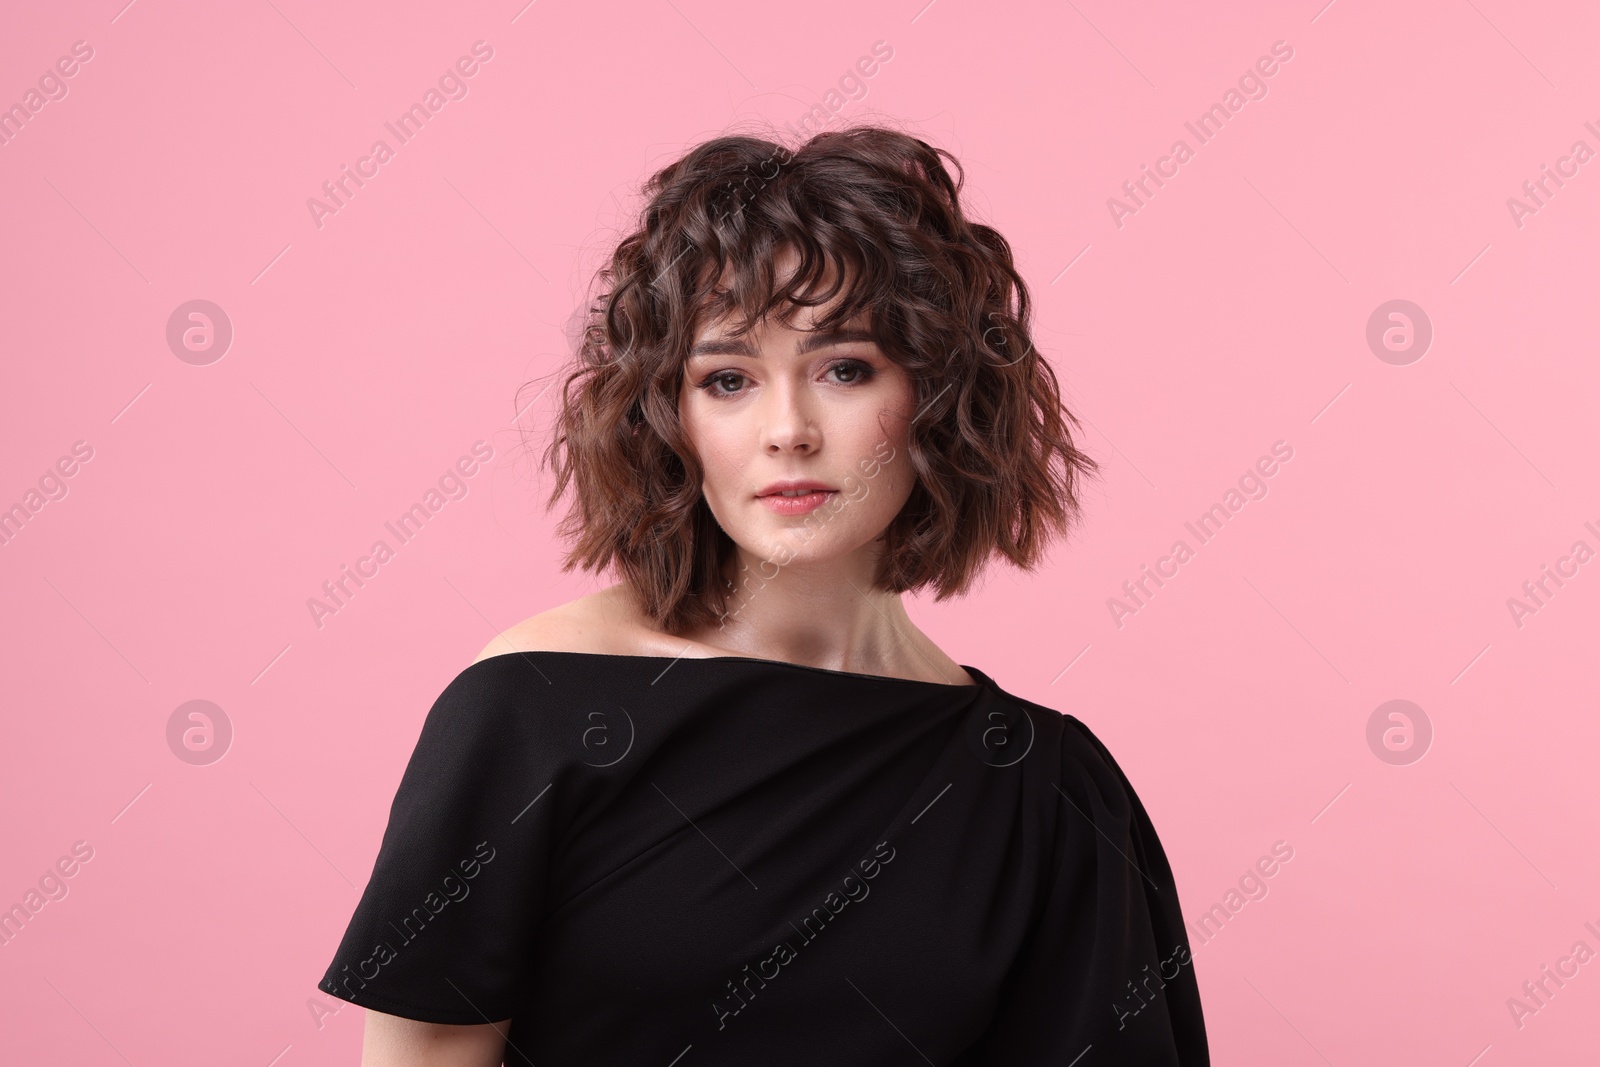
(788, 421)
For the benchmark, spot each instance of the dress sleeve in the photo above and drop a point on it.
(1107, 963)
(443, 930)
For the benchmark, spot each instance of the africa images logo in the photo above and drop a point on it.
(768, 969)
(455, 889)
(451, 85)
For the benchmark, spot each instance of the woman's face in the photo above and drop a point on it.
(785, 403)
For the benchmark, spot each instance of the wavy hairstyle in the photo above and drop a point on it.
(873, 213)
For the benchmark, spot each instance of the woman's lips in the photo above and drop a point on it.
(796, 505)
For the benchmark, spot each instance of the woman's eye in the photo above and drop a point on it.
(725, 385)
(858, 371)
(711, 383)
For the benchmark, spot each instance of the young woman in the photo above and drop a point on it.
(737, 808)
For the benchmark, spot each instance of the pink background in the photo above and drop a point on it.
(1228, 313)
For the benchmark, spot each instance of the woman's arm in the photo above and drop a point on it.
(393, 1041)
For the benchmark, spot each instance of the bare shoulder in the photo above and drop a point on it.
(603, 622)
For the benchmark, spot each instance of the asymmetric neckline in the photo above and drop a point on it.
(982, 680)
(768, 862)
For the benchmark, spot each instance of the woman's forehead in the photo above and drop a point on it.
(801, 319)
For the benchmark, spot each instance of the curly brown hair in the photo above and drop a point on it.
(875, 212)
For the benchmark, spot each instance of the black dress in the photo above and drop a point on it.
(742, 861)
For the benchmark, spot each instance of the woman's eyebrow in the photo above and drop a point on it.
(738, 346)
